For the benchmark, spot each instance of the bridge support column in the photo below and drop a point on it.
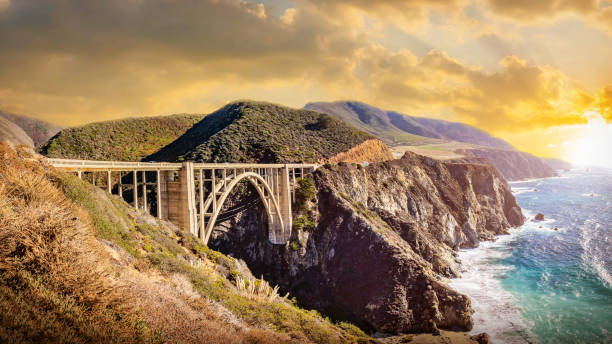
(187, 207)
(109, 182)
(135, 177)
(144, 191)
(282, 188)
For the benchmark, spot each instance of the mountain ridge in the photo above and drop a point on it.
(11, 132)
(39, 131)
(385, 124)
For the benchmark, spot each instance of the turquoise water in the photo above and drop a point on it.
(539, 285)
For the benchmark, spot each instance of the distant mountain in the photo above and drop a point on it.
(398, 129)
(513, 165)
(557, 164)
(247, 131)
(11, 132)
(127, 140)
(39, 131)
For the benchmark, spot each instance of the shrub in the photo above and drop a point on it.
(304, 193)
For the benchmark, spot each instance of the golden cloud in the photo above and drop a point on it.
(76, 61)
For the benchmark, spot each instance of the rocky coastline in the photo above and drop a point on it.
(375, 244)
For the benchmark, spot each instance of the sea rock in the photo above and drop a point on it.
(539, 217)
(481, 338)
(381, 238)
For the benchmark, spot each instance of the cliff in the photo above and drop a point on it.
(513, 165)
(373, 244)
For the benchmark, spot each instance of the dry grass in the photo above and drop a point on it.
(370, 150)
(55, 278)
(57, 284)
(257, 289)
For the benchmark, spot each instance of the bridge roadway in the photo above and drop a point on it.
(191, 195)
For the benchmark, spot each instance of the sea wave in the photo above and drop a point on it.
(595, 256)
(495, 310)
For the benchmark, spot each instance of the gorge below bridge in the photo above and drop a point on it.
(191, 195)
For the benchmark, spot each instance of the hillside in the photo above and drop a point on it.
(513, 165)
(557, 164)
(80, 266)
(39, 131)
(247, 131)
(127, 140)
(11, 132)
(398, 129)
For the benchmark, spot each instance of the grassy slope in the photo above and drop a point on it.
(262, 132)
(127, 140)
(11, 132)
(373, 121)
(79, 266)
(39, 131)
(392, 127)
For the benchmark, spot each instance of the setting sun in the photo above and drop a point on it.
(593, 147)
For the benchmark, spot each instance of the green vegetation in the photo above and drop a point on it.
(79, 266)
(129, 139)
(304, 193)
(262, 132)
(396, 129)
(371, 120)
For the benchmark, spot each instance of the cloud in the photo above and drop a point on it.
(596, 12)
(75, 61)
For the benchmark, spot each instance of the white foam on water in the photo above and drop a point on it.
(495, 309)
(592, 256)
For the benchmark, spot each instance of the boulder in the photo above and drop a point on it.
(539, 217)
(481, 338)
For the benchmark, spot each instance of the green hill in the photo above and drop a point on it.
(247, 131)
(127, 140)
(395, 128)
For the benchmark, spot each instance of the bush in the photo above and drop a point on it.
(304, 193)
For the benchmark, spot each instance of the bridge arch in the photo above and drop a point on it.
(276, 230)
(173, 186)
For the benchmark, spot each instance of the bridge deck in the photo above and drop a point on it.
(96, 165)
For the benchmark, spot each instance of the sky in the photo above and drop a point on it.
(535, 73)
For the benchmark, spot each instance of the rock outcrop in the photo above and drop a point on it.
(513, 165)
(374, 244)
(372, 150)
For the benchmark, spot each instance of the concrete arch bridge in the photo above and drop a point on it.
(191, 195)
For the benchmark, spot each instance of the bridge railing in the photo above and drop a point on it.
(249, 165)
(113, 165)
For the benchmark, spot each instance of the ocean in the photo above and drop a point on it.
(541, 285)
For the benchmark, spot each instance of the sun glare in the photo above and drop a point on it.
(594, 148)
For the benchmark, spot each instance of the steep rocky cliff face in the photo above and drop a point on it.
(513, 165)
(375, 243)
